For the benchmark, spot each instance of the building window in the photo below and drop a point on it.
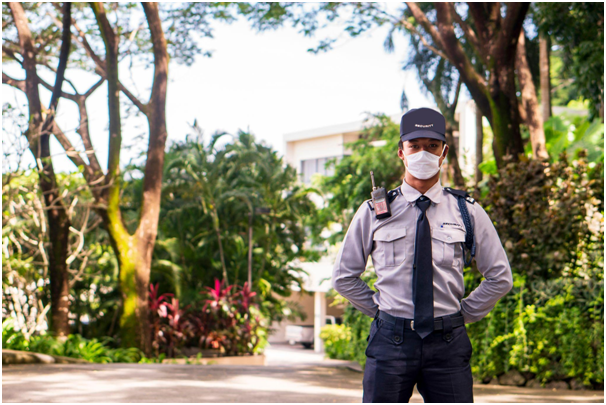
(310, 167)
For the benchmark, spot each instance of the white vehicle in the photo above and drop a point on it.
(304, 334)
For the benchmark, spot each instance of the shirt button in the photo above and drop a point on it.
(449, 238)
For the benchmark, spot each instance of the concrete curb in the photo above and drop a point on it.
(22, 357)
(256, 360)
(354, 366)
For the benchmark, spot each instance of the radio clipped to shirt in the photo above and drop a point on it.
(380, 201)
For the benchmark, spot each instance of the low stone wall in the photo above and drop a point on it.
(254, 360)
(23, 357)
(516, 379)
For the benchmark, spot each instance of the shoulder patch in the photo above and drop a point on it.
(393, 194)
(460, 193)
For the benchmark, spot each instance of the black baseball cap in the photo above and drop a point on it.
(422, 123)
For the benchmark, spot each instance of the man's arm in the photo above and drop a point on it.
(351, 263)
(492, 262)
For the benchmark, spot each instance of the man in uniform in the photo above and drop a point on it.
(418, 334)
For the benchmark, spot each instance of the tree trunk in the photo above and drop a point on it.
(39, 143)
(504, 113)
(544, 45)
(453, 159)
(134, 252)
(479, 145)
(495, 43)
(448, 111)
(530, 105)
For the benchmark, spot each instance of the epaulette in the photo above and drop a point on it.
(470, 242)
(460, 193)
(391, 195)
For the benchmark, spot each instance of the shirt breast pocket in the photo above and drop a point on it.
(444, 241)
(389, 249)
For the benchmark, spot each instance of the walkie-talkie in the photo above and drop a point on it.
(379, 200)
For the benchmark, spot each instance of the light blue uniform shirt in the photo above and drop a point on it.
(390, 242)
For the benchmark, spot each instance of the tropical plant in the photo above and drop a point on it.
(210, 191)
(75, 346)
(225, 319)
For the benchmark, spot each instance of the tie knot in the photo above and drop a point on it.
(423, 203)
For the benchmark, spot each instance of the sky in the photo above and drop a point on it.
(266, 83)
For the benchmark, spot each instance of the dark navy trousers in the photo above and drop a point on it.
(397, 359)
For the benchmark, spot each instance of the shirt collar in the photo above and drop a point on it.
(412, 194)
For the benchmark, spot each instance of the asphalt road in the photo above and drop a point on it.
(292, 375)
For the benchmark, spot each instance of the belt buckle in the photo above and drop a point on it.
(412, 324)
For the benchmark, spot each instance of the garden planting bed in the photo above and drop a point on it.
(244, 360)
(23, 357)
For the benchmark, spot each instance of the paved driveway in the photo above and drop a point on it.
(292, 375)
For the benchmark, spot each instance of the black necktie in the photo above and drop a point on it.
(423, 273)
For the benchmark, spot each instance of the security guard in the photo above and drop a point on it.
(418, 334)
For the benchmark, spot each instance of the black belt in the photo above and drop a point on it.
(457, 320)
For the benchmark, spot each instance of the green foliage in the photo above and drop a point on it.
(356, 328)
(578, 30)
(75, 346)
(488, 166)
(210, 191)
(573, 133)
(93, 297)
(546, 215)
(550, 220)
(337, 341)
(550, 330)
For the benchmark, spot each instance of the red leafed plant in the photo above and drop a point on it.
(227, 317)
(228, 321)
(217, 294)
(170, 329)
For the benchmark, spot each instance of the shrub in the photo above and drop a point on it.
(550, 220)
(74, 346)
(547, 214)
(337, 341)
(358, 327)
(229, 320)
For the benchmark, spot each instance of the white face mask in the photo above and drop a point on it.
(423, 165)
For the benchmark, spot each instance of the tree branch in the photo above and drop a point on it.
(52, 69)
(144, 108)
(69, 96)
(469, 34)
(63, 56)
(475, 83)
(453, 106)
(507, 41)
(11, 53)
(81, 39)
(19, 84)
(414, 30)
(100, 66)
(480, 17)
(421, 18)
(93, 88)
(70, 151)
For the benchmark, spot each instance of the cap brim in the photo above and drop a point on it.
(422, 134)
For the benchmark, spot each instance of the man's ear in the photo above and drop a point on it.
(445, 153)
(401, 154)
